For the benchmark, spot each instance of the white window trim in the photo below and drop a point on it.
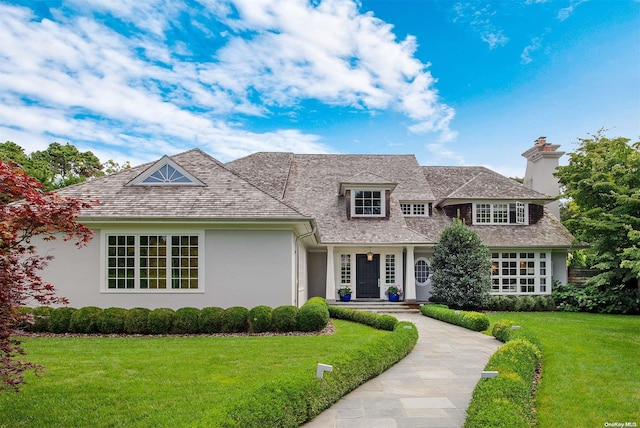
(166, 160)
(104, 234)
(383, 202)
(422, 284)
(537, 283)
(518, 204)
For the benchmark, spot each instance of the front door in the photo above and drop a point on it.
(367, 276)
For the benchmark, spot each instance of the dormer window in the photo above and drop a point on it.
(414, 209)
(368, 203)
(500, 213)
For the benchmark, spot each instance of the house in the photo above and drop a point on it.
(277, 228)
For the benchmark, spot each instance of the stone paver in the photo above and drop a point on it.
(431, 387)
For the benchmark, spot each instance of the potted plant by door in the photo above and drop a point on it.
(394, 292)
(345, 294)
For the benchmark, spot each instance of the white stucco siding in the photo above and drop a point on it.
(241, 268)
(249, 268)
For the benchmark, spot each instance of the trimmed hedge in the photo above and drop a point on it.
(260, 319)
(234, 320)
(40, 319)
(86, 320)
(536, 303)
(211, 320)
(507, 400)
(313, 315)
(113, 321)
(472, 320)
(288, 402)
(160, 320)
(285, 319)
(186, 321)
(59, 319)
(136, 321)
(381, 322)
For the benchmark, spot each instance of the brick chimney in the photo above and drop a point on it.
(542, 161)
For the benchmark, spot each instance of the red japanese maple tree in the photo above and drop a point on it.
(25, 212)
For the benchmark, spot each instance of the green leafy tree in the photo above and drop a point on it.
(602, 185)
(59, 165)
(461, 268)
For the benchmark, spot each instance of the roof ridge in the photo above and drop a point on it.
(281, 201)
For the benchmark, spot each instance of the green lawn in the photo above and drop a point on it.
(163, 381)
(591, 367)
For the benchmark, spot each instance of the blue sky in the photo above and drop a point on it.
(453, 82)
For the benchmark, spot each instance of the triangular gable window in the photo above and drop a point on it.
(166, 172)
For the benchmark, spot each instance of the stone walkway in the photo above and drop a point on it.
(431, 387)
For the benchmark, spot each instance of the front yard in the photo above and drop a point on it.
(162, 381)
(591, 367)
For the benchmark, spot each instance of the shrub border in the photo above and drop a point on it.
(287, 403)
(468, 319)
(507, 400)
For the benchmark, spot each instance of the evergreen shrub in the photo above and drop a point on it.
(136, 321)
(235, 320)
(211, 320)
(160, 320)
(59, 320)
(186, 321)
(313, 315)
(285, 318)
(113, 321)
(260, 318)
(41, 316)
(86, 320)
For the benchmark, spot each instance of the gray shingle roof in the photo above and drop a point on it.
(225, 194)
(451, 183)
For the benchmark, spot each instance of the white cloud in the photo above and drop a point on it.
(535, 45)
(479, 18)
(75, 78)
(566, 12)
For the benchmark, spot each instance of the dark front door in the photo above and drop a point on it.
(367, 276)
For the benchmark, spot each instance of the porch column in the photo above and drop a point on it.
(330, 291)
(410, 286)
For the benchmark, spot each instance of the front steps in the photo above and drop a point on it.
(379, 306)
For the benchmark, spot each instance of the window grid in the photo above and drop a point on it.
(421, 271)
(167, 174)
(121, 262)
(519, 273)
(368, 203)
(390, 269)
(152, 262)
(184, 261)
(406, 208)
(418, 209)
(345, 268)
(500, 213)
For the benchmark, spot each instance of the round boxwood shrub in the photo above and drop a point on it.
(186, 321)
(41, 317)
(313, 315)
(136, 321)
(235, 320)
(260, 319)
(160, 320)
(502, 330)
(113, 321)
(285, 318)
(385, 322)
(211, 320)
(86, 320)
(59, 319)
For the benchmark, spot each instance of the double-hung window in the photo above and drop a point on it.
(154, 262)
